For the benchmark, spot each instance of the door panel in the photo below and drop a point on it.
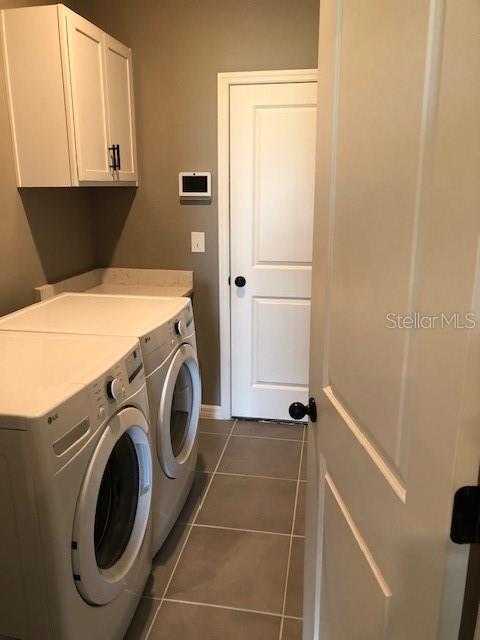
(288, 365)
(118, 59)
(283, 156)
(87, 72)
(272, 154)
(356, 597)
(396, 231)
(379, 142)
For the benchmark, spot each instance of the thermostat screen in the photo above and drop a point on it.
(195, 184)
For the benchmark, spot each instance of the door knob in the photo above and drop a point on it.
(297, 410)
(240, 281)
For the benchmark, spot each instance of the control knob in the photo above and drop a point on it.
(180, 328)
(114, 389)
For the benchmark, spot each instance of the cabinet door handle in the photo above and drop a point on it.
(115, 151)
(113, 157)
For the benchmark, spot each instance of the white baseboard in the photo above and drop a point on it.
(212, 411)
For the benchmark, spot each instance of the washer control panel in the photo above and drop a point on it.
(113, 387)
(179, 327)
(182, 326)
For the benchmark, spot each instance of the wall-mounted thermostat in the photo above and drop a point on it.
(195, 185)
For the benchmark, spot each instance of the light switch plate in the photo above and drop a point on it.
(198, 242)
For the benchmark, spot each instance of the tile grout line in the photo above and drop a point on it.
(246, 475)
(249, 475)
(223, 606)
(190, 531)
(245, 435)
(280, 632)
(259, 531)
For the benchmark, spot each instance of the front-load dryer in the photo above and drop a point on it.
(166, 330)
(75, 486)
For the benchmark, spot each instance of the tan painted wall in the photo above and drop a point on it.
(179, 47)
(45, 234)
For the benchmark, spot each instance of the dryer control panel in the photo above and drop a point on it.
(118, 383)
(159, 343)
(182, 326)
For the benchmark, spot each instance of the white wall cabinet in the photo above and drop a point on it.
(70, 94)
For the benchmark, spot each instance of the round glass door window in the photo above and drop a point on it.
(117, 503)
(182, 405)
(178, 412)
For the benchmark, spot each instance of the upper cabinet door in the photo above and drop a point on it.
(89, 86)
(118, 62)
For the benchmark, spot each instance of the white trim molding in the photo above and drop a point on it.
(212, 411)
(225, 81)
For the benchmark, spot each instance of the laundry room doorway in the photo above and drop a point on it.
(267, 133)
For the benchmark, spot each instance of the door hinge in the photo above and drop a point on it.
(465, 527)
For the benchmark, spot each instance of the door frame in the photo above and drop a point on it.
(224, 82)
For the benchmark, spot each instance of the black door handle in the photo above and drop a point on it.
(240, 281)
(115, 151)
(112, 150)
(298, 411)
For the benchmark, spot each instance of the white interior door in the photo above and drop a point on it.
(88, 82)
(397, 230)
(272, 160)
(118, 60)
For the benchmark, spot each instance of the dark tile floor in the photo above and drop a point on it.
(232, 567)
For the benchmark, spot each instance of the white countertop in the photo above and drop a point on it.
(123, 281)
(141, 290)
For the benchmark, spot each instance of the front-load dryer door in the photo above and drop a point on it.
(179, 411)
(113, 508)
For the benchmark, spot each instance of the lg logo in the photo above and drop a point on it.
(52, 418)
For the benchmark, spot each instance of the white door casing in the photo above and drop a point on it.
(118, 62)
(396, 231)
(89, 99)
(272, 154)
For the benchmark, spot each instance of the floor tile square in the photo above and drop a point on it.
(210, 448)
(254, 456)
(207, 425)
(244, 502)
(299, 528)
(292, 629)
(194, 498)
(164, 561)
(233, 569)
(268, 430)
(178, 621)
(294, 601)
(146, 610)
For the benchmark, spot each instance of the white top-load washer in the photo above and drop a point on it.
(166, 330)
(75, 486)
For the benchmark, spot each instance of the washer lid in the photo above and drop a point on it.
(85, 313)
(39, 371)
